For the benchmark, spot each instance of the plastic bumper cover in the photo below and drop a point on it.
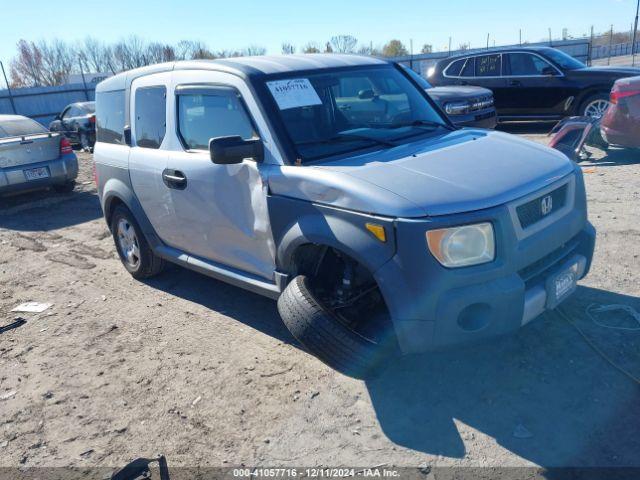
(434, 307)
(61, 170)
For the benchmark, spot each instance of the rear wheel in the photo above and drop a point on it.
(134, 251)
(596, 105)
(338, 314)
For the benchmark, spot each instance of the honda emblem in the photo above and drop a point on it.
(546, 205)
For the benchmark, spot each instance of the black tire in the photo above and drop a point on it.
(66, 187)
(590, 99)
(328, 339)
(148, 264)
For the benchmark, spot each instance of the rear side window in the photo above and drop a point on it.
(488, 66)
(455, 68)
(211, 114)
(19, 127)
(110, 117)
(151, 111)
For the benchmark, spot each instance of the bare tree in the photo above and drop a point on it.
(394, 48)
(427, 48)
(26, 66)
(328, 48)
(254, 50)
(95, 56)
(288, 48)
(311, 47)
(463, 47)
(58, 61)
(192, 49)
(159, 53)
(344, 43)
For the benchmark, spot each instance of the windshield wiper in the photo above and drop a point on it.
(422, 124)
(342, 137)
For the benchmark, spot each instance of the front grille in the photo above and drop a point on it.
(534, 272)
(541, 207)
(481, 103)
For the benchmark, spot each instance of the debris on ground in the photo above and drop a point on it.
(32, 307)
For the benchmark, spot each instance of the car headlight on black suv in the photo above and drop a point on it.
(463, 246)
(457, 108)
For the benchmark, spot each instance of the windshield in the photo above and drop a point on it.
(563, 60)
(351, 109)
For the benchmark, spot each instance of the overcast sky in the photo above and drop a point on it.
(236, 24)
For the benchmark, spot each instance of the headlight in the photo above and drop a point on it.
(463, 246)
(457, 108)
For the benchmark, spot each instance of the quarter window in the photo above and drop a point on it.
(151, 111)
(488, 66)
(110, 117)
(469, 67)
(455, 68)
(211, 114)
(525, 64)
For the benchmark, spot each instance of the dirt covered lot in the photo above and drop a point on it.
(207, 374)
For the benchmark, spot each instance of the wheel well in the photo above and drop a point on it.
(110, 207)
(319, 261)
(590, 94)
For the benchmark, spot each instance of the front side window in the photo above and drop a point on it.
(525, 64)
(489, 66)
(210, 114)
(332, 113)
(110, 117)
(564, 60)
(150, 111)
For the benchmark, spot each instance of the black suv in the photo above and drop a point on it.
(78, 123)
(533, 83)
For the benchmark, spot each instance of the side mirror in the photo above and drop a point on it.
(234, 149)
(549, 72)
(127, 135)
(367, 94)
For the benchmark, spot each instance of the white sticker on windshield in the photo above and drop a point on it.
(294, 93)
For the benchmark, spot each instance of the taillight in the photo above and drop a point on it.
(65, 146)
(617, 95)
(92, 119)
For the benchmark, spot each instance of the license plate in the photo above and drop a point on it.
(561, 285)
(36, 173)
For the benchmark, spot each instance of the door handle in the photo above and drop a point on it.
(515, 83)
(174, 179)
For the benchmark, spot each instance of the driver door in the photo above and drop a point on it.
(220, 211)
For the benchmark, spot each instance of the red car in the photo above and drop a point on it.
(618, 127)
(621, 122)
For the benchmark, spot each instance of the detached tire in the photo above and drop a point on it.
(133, 249)
(325, 337)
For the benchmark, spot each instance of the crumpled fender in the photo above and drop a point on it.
(296, 222)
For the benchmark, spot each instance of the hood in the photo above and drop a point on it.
(608, 71)
(462, 171)
(448, 94)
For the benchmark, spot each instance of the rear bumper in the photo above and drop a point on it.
(61, 170)
(613, 136)
(433, 307)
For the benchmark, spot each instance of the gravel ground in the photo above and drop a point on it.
(207, 374)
